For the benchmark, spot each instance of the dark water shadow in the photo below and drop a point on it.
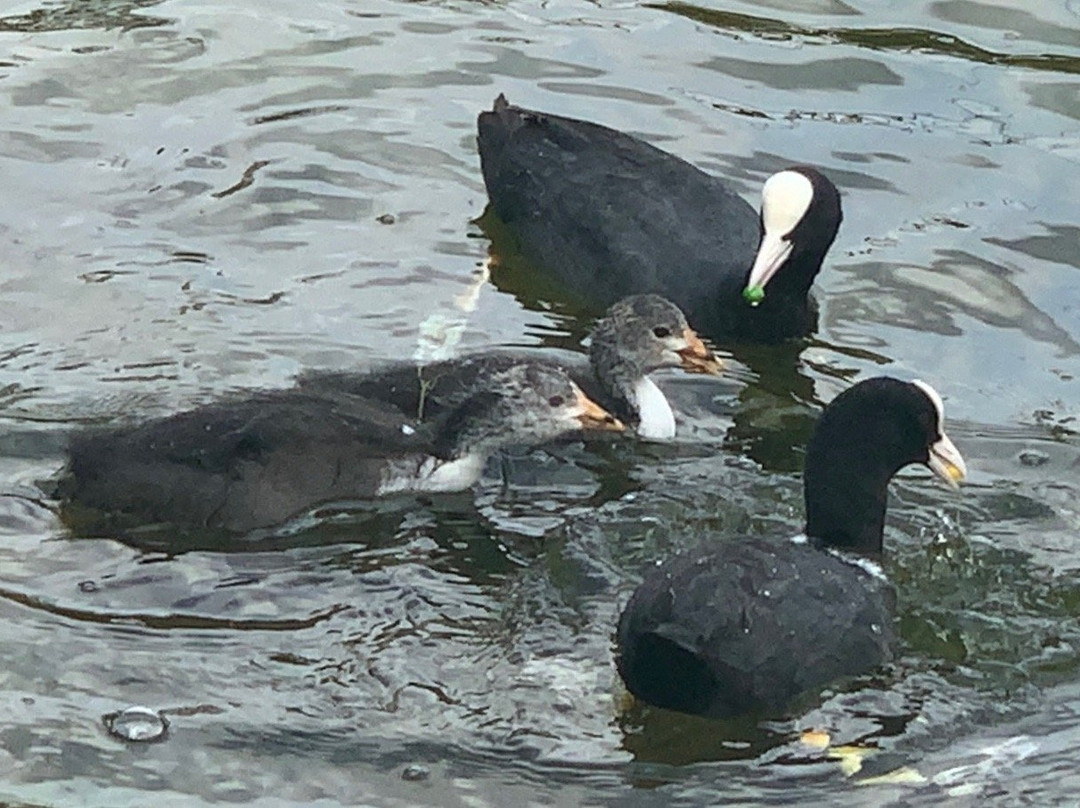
(900, 40)
(658, 736)
(83, 15)
(452, 521)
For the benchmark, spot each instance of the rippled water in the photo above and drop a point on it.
(199, 197)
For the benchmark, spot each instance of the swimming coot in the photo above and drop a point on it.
(611, 215)
(254, 462)
(636, 336)
(749, 624)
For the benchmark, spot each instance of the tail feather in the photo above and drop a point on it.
(494, 128)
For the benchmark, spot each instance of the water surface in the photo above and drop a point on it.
(202, 197)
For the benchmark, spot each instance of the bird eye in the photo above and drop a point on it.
(660, 332)
(556, 401)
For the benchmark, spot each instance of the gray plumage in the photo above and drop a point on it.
(254, 461)
(634, 338)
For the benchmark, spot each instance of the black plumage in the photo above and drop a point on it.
(748, 624)
(611, 215)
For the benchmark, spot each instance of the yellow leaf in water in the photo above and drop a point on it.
(850, 757)
(905, 775)
(817, 738)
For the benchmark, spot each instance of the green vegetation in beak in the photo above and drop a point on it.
(753, 294)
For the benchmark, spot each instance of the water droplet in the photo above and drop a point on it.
(136, 724)
(563, 705)
(414, 773)
(1032, 458)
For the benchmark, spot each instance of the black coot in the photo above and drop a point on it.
(611, 215)
(253, 462)
(749, 624)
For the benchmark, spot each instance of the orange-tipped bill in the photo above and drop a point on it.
(592, 416)
(697, 358)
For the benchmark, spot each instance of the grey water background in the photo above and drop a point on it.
(197, 197)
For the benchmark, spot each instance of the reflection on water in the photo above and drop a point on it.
(205, 198)
(847, 75)
(1060, 244)
(932, 298)
(913, 39)
(76, 14)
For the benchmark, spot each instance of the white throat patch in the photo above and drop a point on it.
(426, 473)
(657, 419)
(785, 199)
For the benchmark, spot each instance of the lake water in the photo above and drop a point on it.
(198, 197)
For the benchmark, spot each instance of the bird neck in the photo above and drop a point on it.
(471, 429)
(846, 514)
(618, 378)
(785, 313)
(846, 491)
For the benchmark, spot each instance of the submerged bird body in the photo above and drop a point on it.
(636, 336)
(236, 465)
(256, 461)
(749, 624)
(723, 630)
(611, 215)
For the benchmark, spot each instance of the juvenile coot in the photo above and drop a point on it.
(749, 624)
(253, 462)
(611, 215)
(636, 336)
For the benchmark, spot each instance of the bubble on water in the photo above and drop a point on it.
(140, 724)
(414, 772)
(1033, 458)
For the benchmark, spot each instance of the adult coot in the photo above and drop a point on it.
(636, 336)
(611, 215)
(748, 624)
(253, 462)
